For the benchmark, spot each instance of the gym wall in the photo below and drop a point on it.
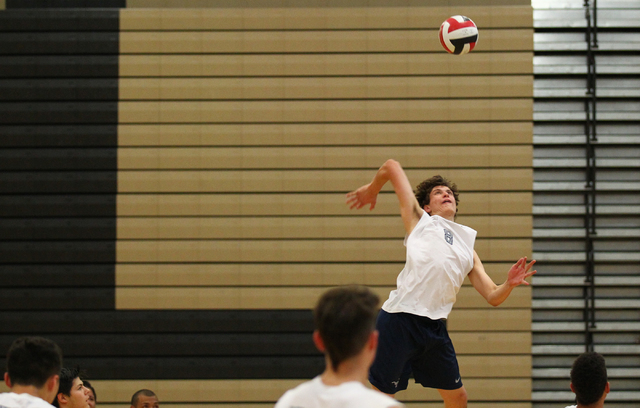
(174, 176)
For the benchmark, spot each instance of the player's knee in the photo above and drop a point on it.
(456, 398)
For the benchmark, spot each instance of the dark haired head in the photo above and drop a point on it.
(345, 317)
(67, 375)
(423, 190)
(33, 360)
(589, 378)
(136, 396)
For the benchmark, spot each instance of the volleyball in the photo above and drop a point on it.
(458, 35)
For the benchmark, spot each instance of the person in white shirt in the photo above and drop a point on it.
(33, 364)
(440, 254)
(345, 332)
(589, 381)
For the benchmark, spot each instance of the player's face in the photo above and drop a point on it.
(79, 395)
(92, 398)
(147, 402)
(441, 202)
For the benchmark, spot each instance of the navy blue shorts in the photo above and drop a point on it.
(413, 344)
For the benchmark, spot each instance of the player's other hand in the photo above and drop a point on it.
(520, 271)
(361, 197)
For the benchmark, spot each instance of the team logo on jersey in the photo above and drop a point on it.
(448, 236)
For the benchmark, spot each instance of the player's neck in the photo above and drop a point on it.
(26, 389)
(350, 370)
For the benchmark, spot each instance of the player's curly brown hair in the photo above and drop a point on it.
(423, 190)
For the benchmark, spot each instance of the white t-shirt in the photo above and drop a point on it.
(439, 256)
(352, 394)
(13, 400)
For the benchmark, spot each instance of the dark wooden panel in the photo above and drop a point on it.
(83, 275)
(59, 136)
(58, 90)
(53, 66)
(58, 112)
(56, 298)
(59, 229)
(35, 252)
(60, 20)
(59, 182)
(156, 321)
(59, 43)
(181, 344)
(229, 368)
(15, 4)
(59, 205)
(58, 159)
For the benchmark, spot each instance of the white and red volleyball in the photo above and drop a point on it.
(458, 35)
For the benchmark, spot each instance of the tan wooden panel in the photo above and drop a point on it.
(356, 250)
(503, 249)
(492, 343)
(278, 274)
(493, 226)
(180, 298)
(513, 86)
(274, 18)
(468, 110)
(309, 180)
(486, 133)
(292, 204)
(441, 63)
(252, 391)
(495, 366)
(136, 158)
(496, 319)
(314, 41)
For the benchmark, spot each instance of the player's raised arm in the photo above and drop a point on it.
(392, 171)
(496, 294)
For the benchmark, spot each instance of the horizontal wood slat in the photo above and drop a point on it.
(495, 63)
(515, 86)
(180, 298)
(196, 158)
(303, 227)
(328, 41)
(284, 251)
(282, 111)
(308, 17)
(238, 274)
(326, 134)
(248, 391)
(309, 180)
(293, 204)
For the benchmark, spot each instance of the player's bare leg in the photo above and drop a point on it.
(454, 398)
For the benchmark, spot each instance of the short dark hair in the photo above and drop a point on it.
(88, 385)
(33, 360)
(423, 190)
(67, 375)
(145, 392)
(589, 378)
(345, 318)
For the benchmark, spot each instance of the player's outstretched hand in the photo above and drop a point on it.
(361, 197)
(520, 271)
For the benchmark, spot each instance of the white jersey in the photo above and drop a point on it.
(439, 256)
(13, 400)
(352, 394)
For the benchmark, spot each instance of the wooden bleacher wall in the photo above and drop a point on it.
(239, 131)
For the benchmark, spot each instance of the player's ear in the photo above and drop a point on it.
(373, 340)
(7, 380)
(53, 382)
(317, 340)
(62, 399)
